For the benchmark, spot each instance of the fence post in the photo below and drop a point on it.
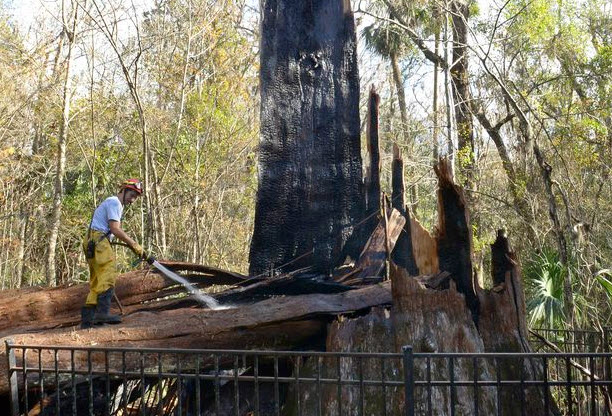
(408, 380)
(606, 348)
(12, 377)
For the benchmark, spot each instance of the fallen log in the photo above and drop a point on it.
(278, 323)
(284, 285)
(37, 309)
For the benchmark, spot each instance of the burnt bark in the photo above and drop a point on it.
(455, 236)
(503, 328)
(310, 193)
(403, 254)
(500, 260)
(372, 180)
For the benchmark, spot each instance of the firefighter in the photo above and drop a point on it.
(105, 225)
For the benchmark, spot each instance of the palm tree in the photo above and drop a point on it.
(385, 39)
(544, 277)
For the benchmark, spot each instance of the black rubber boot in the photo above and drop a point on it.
(87, 314)
(102, 315)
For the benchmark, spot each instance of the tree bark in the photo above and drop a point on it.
(60, 164)
(403, 255)
(401, 95)
(455, 236)
(461, 89)
(373, 178)
(310, 192)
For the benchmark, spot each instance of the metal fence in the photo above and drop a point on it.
(54, 380)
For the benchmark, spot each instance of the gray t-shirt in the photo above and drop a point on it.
(109, 210)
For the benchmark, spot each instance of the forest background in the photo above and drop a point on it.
(518, 93)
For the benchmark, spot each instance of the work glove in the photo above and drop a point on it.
(138, 250)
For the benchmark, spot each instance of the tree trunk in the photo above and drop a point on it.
(401, 95)
(450, 148)
(310, 176)
(436, 87)
(372, 177)
(435, 315)
(455, 236)
(36, 309)
(60, 164)
(461, 89)
(24, 222)
(403, 255)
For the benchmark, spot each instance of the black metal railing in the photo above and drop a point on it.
(510, 384)
(56, 380)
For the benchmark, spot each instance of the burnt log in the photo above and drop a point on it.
(38, 309)
(310, 193)
(501, 263)
(278, 323)
(503, 328)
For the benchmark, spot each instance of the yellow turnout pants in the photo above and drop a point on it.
(102, 268)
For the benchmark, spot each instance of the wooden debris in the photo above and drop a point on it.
(372, 259)
(278, 323)
(36, 309)
(424, 248)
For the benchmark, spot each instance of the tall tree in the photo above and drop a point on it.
(310, 177)
(70, 17)
(460, 12)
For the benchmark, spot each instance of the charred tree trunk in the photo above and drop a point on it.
(372, 180)
(455, 236)
(432, 314)
(403, 254)
(310, 176)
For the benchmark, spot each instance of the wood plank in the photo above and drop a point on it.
(372, 259)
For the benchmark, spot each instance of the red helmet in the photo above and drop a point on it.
(133, 184)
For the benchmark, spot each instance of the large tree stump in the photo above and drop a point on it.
(310, 191)
(447, 312)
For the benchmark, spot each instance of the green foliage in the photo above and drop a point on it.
(604, 277)
(544, 275)
(532, 20)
